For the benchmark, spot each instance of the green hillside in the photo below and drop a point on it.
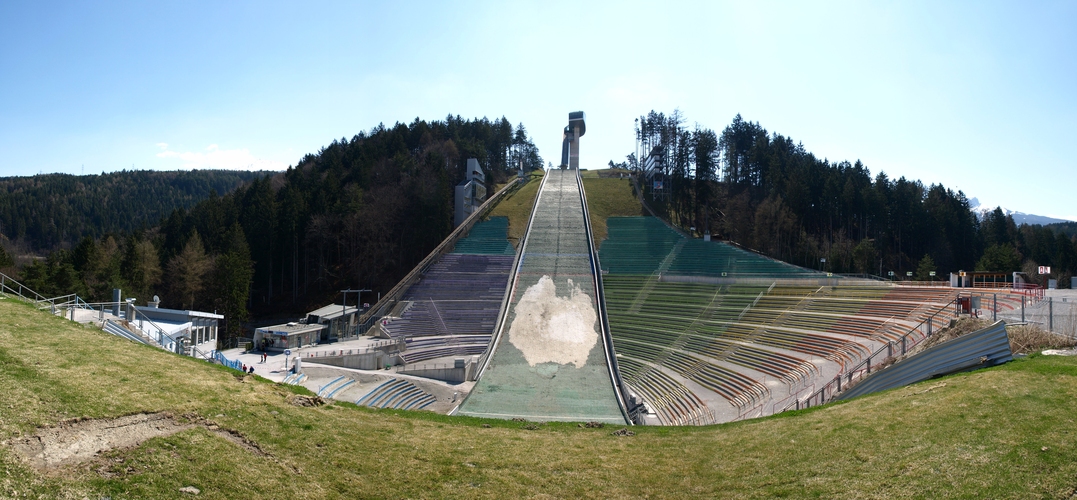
(1006, 432)
(608, 197)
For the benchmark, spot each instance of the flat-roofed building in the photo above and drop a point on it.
(288, 336)
(339, 320)
(195, 329)
(321, 325)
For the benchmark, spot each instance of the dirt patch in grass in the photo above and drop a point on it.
(308, 401)
(79, 440)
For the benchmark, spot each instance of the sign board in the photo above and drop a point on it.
(658, 184)
(1045, 269)
(891, 273)
(908, 273)
(932, 273)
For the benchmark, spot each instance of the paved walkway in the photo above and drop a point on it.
(549, 362)
(277, 365)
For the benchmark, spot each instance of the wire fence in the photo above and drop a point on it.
(1056, 315)
(374, 347)
(1015, 306)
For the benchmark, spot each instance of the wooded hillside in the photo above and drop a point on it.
(358, 214)
(45, 212)
(769, 193)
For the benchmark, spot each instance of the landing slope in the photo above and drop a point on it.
(549, 362)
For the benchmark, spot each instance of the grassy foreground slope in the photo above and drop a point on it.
(1005, 432)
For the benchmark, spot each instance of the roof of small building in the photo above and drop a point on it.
(175, 314)
(333, 311)
(291, 328)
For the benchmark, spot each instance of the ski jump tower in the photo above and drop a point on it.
(570, 147)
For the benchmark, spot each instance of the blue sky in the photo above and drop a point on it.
(978, 96)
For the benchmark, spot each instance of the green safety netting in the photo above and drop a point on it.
(645, 245)
(489, 237)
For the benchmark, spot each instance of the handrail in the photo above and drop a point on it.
(160, 331)
(217, 356)
(375, 347)
(834, 386)
(600, 307)
(3, 284)
(201, 354)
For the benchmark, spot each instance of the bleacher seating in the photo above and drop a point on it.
(451, 310)
(671, 401)
(729, 337)
(399, 394)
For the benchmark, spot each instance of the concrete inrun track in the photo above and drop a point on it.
(549, 359)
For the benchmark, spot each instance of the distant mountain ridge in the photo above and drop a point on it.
(1018, 217)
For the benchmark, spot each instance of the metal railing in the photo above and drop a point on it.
(8, 284)
(375, 347)
(424, 366)
(882, 357)
(619, 389)
(200, 354)
(233, 364)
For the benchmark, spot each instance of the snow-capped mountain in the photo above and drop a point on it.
(1018, 217)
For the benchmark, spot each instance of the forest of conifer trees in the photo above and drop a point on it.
(358, 214)
(766, 192)
(361, 212)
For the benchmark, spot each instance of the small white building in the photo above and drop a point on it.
(195, 329)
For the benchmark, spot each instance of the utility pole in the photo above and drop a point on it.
(344, 305)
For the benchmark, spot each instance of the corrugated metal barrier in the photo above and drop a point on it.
(987, 347)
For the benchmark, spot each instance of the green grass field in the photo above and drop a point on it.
(517, 207)
(608, 198)
(1004, 432)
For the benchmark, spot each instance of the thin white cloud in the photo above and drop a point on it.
(213, 157)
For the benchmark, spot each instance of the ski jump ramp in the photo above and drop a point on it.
(549, 359)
